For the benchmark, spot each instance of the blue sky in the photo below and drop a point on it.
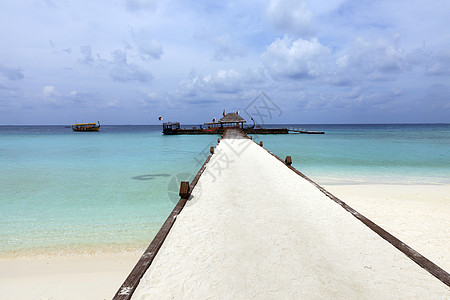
(130, 61)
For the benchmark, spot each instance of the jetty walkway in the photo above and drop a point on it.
(255, 228)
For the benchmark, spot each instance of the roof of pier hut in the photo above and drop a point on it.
(232, 118)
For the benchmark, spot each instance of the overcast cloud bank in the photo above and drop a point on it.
(128, 62)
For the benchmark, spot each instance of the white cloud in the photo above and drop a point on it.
(112, 104)
(299, 59)
(226, 81)
(148, 47)
(378, 60)
(138, 5)
(11, 72)
(49, 94)
(150, 98)
(355, 92)
(245, 46)
(86, 52)
(48, 90)
(440, 64)
(58, 98)
(381, 56)
(224, 45)
(291, 16)
(123, 71)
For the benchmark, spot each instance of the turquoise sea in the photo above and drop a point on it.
(68, 192)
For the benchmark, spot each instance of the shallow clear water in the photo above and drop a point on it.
(369, 153)
(67, 191)
(77, 190)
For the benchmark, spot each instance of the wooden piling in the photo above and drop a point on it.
(288, 160)
(184, 190)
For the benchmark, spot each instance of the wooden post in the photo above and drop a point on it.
(211, 150)
(184, 190)
(288, 160)
(218, 140)
(261, 143)
(251, 137)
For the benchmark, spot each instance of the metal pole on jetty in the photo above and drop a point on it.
(260, 228)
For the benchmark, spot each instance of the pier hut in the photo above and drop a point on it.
(230, 120)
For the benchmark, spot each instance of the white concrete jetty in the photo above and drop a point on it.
(255, 229)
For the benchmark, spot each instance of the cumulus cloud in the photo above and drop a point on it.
(120, 69)
(150, 98)
(49, 94)
(440, 64)
(148, 47)
(226, 81)
(11, 72)
(124, 71)
(291, 16)
(298, 59)
(56, 98)
(86, 55)
(228, 86)
(377, 60)
(224, 45)
(224, 48)
(381, 56)
(138, 5)
(301, 46)
(67, 50)
(48, 90)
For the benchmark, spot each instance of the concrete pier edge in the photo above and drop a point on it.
(127, 289)
(415, 256)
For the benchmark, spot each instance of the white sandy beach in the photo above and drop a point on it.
(416, 214)
(255, 229)
(65, 277)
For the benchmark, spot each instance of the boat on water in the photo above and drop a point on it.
(171, 127)
(86, 127)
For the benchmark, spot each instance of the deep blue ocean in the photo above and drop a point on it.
(68, 192)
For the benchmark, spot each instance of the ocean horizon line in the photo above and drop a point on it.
(270, 124)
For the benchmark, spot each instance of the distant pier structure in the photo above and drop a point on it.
(229, 121)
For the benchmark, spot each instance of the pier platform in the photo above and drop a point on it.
(222, 131)
(255, 228)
